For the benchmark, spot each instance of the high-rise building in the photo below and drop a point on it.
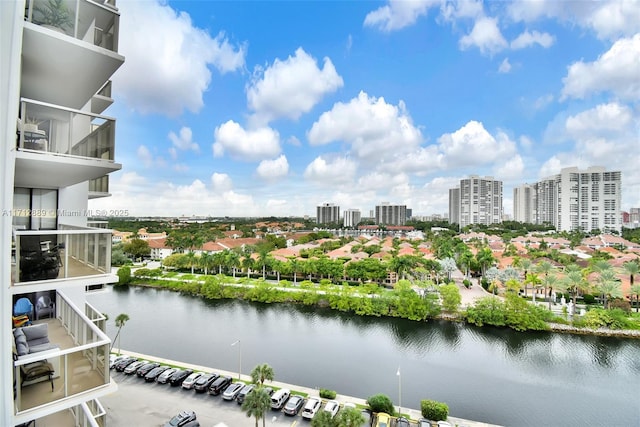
(583, 200)
(454, 205)
(351, 217)
(387, 214)
(57, 153)
(327, 213)
(479, 201)
(524, 202)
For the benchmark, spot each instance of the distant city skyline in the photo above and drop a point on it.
(269, 110)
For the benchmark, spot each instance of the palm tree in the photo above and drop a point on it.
(533, 280)
(262, 373)
(205, 261)
(609, 286)
(575, 283)
(232, 260)
(120, 321)
(631, 268)
(256, 404)
(549, 282)
(525, 265)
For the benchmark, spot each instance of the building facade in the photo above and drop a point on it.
(351, 218)
(57, 153)
(524, 202)
(388, 214)
(454, 205)
(327, 213)
(479, 202)
(582, 200)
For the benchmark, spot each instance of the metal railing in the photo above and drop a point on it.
(69, 252)
(78, 369)
(97, 23)
(65, 131)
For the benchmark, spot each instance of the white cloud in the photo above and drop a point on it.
(398, 14)
(349, 43)
(293, 140)
(602, 120)
(528, 38)
(173, 152)
(291, 87)
(221, 182)
(543, 101)
(451, 11)
(505, 66)
(248, 145)
(376, 181)
(370, 125)
(328, 172)
(145, 156)
(181, 167)
(183, 141)
(615, 71)
(422, 161)
(273, 169)
(615, 18)
(168, 59)
(472, 145)
(511, 169)
(485, 35)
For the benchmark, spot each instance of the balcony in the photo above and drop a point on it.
(69, 255)
(80, 363)
(71, 145)
(99, 187)
(67, 60)
(102, 100)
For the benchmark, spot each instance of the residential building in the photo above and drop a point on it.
(327, 213)
(57, 153)
(631, 219)
(580, 200)
(387, 214)
(524, 201)
(454, 205)
(351, 218)
(479, 202)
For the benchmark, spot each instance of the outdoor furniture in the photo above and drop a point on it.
(45, 307)
(23, 306)
(36, 370)
(36, 261)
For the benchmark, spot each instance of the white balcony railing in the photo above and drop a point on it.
(65, 131)
(69, 252)
(84, 20)
(80, 362)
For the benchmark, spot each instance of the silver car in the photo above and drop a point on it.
(190, 381)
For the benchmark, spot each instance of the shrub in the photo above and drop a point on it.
(381, 403)
(433, 410)
(124, 275)
(621, 304)
(327, 394)
(588, 299)
(466, 283)
(484, 283)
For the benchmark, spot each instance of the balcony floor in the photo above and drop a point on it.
(82, 376)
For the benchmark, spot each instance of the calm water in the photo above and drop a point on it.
(484, 374)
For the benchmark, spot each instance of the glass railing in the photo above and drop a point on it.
(69, 252)
(99, 185)
(92, 414)
(79, 363)
(98, 319)
(59, 130)
(84, 20)
(105, 90)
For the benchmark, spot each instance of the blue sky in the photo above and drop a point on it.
(261, 108)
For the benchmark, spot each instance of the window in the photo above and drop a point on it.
(35, 208)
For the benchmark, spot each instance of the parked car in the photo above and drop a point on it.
(368, 419)
(181, 419)
(202, 384)
(146, 368)
(188, 383)
(294, 404)
(244, 392)
(444, 424)
(383, 420)
(153, 374)
(164, 377)
(402, 422)
(231, 392)
(423, 422)
(279, 398)
(331, 407)
(179, 376)
(219, 385)
(194, 423)
(311, 408)
(113, 360)
(122, 364)
(269, 391)
(133, 368)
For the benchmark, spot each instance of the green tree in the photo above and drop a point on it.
(609, 286)
(262, 373)
(381, 403)
(137, 248)
(451, 297)
(631, 268)
(635, 290)
(433, 410)
(121, 319)
(256, 404)
(323, 419)
(124, 275)
(350, 417)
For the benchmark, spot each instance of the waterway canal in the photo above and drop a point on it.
(485, 374)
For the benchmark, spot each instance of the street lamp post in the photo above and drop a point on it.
(239, 357)
(399, 392)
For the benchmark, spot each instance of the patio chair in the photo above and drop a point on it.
(45, 307)
(23, 306)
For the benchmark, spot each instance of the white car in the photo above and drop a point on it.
(331, 407)
(163, 378)
(113, 359)
(311, 408)
(131, 369)
(190, 381)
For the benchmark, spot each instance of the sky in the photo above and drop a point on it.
(271, 108)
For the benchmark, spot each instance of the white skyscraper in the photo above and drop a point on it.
(387, 214)
(351, 217)
(480, 201)
(327, 213)
(524, 202)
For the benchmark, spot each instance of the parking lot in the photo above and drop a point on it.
(139, 403)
